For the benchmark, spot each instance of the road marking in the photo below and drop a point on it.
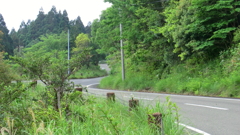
(186, 126)
(187, 96)
(212, 107)
(91, 84)
(194, 129)
(138, 98)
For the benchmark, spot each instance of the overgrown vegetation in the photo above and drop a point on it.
(214, 78)
(31, 113)
(173, 46)
(89, 72)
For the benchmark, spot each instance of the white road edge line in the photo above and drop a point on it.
(212, 98)
(186, 126)
(92, 84)
(212, 107)
(194, 129)
(138, 98)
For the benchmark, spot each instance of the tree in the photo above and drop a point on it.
(9, 92)
(88, 28)
(64, 21)
(200, 29)
(144, 50)
(54, 22)
(82, 41)
(49, 43)
(6, 39)
(14, 36)
(105, 32)
(1, 46)
(6, 75)
(76, 27)
(51, 66)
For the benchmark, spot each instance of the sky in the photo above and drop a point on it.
(16, 11)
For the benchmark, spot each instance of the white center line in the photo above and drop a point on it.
(212, 107)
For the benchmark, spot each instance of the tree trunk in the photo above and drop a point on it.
(58, 100)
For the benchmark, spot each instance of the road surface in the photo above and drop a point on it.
(203, 115)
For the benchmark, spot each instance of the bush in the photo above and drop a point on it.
(133, 81)
(88, 72)
(6, 75)
(85, 115)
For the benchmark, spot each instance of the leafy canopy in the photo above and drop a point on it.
(47, 61)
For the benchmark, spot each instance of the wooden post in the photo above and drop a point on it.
(133, 104)
(111, 96)
(80, 90)
(34, 84)
(155, 121)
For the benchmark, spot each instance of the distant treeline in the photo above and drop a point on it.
(54, 22)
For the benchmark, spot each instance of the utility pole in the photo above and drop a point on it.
(122, 54)
(68, 53)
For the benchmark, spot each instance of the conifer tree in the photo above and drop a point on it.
(6, 39)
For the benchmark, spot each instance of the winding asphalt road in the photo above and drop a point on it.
(201, 115)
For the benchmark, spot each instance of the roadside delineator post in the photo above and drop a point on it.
(155, 121)
(34, 83)
(111, 96)
(80, 90)
(133, 104)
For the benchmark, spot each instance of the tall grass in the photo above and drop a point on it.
(99, 116)
(209, 79)
(133, 81)
(202, 81)
(30, 114)
(89, 72)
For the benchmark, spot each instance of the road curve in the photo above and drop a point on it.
(209, 116)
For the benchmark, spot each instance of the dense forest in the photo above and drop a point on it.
(180, 46)
(159, 34)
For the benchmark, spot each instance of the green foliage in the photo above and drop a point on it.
(232, 62)
(82, 41)
(200, 28)
(6, 73)
(97, 116)
(6, 43)
(31, 115)
(145, 50)
(134, 81)
(177, 46)
(10, 93)
(88, 72)
(54, 22)
(76, 27)
(207, 80)
(1, 35)
(52, 68)
(214, 78)
(49, 43)
(109, 41)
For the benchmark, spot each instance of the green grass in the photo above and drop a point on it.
(133, 81)
(209, 79)
(210, 83)
(31, 114)
(89, 72)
